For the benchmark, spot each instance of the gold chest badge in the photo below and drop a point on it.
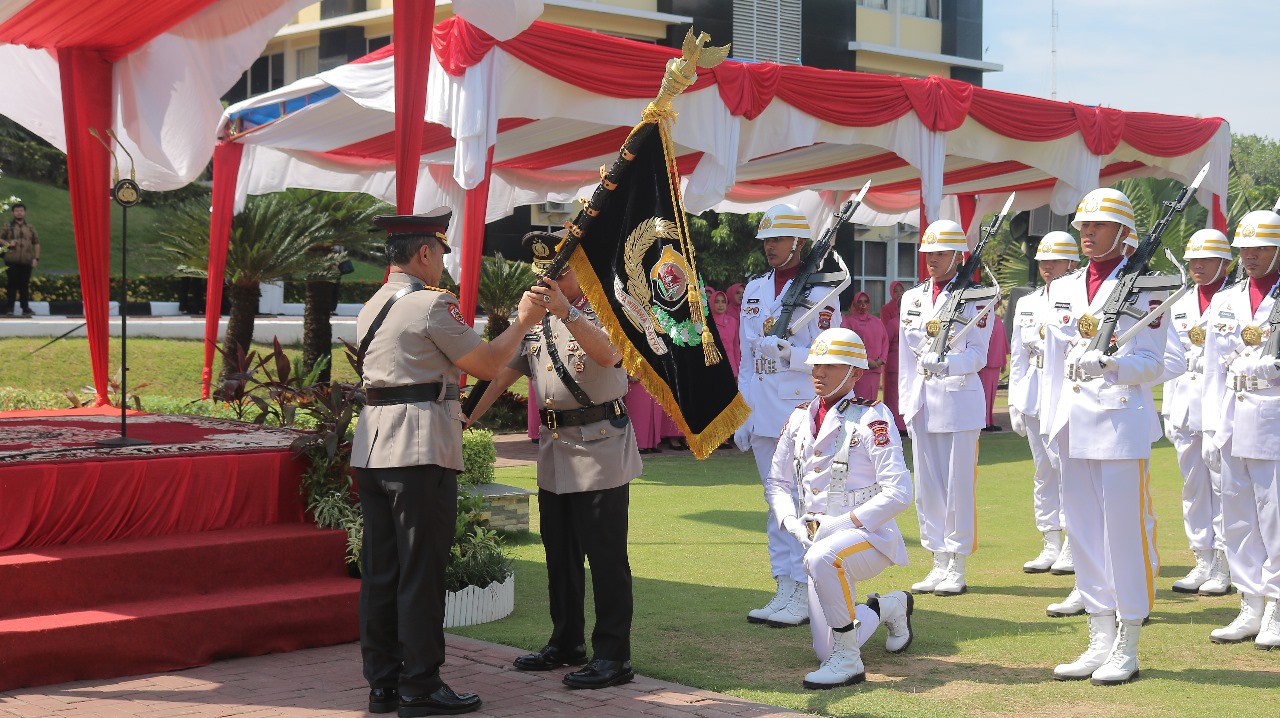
(1088, 326)
(1196, 335)
(1251, 335)
(932, 327)
(768, 324)
(1042, 330)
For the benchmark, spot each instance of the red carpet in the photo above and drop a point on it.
(123, 560)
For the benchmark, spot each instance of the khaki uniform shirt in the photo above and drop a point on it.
(22, 240)
(419, 341)
(590, 457)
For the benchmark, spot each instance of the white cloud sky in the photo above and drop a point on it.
(1201, 58)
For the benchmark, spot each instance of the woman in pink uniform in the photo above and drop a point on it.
(889, 319)
(869, 327)
(646, 416)
(727, 326)
(997, 358)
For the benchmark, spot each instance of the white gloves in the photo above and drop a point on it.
(795, 526)
(1195, 364)
(1018, 421)
(1210, 453)
(778, 350)
(1264, 369)
(932, 363)
(741, 439)
(1169, 429)
(1094, 363)
(830, 524)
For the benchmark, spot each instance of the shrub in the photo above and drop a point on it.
(478, 457)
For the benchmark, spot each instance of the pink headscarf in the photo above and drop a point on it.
(732, 292)
(726, 327)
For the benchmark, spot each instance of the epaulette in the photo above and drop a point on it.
(856, 400)
(804, 405)
(1077, 270)
(439, 289)
(921, 284)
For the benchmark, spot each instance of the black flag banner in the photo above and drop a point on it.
(638, 269)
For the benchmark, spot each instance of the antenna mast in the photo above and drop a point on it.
(1053, 50)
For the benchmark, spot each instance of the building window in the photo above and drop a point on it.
(266, 74)
(874, 4)
(879, 260)
(376, 43)
(930, 9)
(767, 31)
(308, 59)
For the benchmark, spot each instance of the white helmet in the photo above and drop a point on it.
(1058, 245)
(838, 345)
(1259, 228)
(1105, 205)
(1208, 244)
(783, 220)
(1131, 239)
(944, 236)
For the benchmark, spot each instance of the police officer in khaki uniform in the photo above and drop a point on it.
(587, 456)
(407, 452)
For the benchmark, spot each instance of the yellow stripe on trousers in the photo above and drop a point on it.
(1146, 542)
(844, 581)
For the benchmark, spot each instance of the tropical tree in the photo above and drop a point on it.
(502, 283)
(726, 245)
(271, 240)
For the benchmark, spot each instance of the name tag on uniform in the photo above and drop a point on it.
(1065, 306)
(1227, 314)
(913, 313)
(753, 300)
(1180, 316)
(1026, 314)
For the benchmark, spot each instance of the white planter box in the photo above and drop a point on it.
(474, 605)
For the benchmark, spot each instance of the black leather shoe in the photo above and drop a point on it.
(442, 701)
(549, 658)
(383, 700)
(601, 674)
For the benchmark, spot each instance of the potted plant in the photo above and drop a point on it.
(479, 582)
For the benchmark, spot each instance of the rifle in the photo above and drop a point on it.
(1272, 347)
(808, 275)
(964, 288)
(1134, 279)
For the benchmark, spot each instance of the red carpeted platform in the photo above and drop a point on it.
(170, 555)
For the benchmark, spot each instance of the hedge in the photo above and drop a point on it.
(168, 288)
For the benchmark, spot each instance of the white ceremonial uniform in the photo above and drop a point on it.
(1243, 418)
(875, 485)
(773, 391)
(944, 415)
(1183, 396)
(1026, 368)
(1103, 428)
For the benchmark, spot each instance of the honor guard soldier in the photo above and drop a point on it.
(944, 406)
(587, 457)
(1241, 417)
(843, 455)
(1207, 255)
(1103, 424)
(774, 379)
(407, 452)
(1056, 255)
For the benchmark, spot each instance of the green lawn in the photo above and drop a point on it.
(698, 555)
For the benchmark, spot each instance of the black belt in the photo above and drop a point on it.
(408, 394)
(586, 415)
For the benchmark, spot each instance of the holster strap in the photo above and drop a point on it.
(410, 393)
(586, 415)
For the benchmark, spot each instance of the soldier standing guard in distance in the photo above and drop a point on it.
(942, 401)
(1208, 256)
(1241, 415)
(773, 380)
(587, 457)
(407, 452)
(843, 454)
(1103, 424)
(1056, 255)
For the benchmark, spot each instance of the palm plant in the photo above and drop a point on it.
(502, 283)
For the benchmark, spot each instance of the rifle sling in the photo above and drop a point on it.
(561, 371)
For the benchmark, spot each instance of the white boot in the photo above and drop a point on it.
(786, 585)
(953, 583)
(1219, 582)
(1269, 633)
(1122, 664)
(895, 611)
(795, 612)
(1064, 565)
(936, 574)
(1048, 554)
(843, 667)
(1102, 636)
(1072, 605)
(1198, 575)
(1246, 625)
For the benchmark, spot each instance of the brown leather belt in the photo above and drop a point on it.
(586, 415)
(409, 393)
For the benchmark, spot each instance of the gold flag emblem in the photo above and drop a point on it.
(1196, 335)
(1088, 326)
(1251, 335)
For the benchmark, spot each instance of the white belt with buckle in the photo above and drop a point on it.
(1244, 382)
(766, 366)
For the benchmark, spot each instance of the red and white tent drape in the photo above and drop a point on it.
(151, 71)
(531, 119)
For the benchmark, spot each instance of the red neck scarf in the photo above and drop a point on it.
(939, 285)
(782, 276)
(1098, 272)
(824, 405)
(1207, 291)
(1258, 289)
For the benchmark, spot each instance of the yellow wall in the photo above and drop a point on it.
(610, 24)
(874, 26)
(893, 65)
(920, 34)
